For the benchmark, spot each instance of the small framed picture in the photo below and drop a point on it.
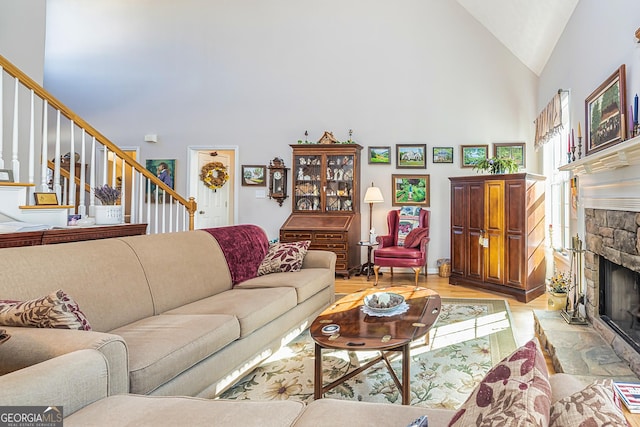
(442, 154)
(605, 111)
(6, 175)
(510, 150)
(46, 199)
(410, 190)
(254, 175)
(411, 156)
(470, 154)
(380, 155)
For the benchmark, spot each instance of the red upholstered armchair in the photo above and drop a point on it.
(412, 255)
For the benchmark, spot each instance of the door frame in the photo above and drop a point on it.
(194, 174)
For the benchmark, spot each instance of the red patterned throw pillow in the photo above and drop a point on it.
(56, 310)
(514, 392)
(284, 257)
(414, 237)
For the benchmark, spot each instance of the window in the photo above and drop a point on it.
(558, 184)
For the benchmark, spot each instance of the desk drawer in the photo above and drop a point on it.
(333, 237)
(294, 236)
(329, 246)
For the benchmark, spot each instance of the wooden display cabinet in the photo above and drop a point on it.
(326, 201)
(497, 234)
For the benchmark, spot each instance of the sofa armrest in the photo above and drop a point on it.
(320, 259)
(72, 380)
(30, 346)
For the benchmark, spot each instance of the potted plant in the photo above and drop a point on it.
(558, 288)
(109, 212)
(496, 165)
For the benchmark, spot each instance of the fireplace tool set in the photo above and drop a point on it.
(572, 313)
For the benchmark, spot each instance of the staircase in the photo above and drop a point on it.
(50, 149)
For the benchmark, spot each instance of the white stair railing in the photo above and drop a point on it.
(87, 164)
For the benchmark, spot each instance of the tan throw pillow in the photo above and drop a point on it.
(414, 237)
(284, 257)
(56, 310)
(595, 405)
(514, 392)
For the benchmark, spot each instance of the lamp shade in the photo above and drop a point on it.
(373, 195)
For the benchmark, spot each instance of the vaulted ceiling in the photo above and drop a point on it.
(530, 29)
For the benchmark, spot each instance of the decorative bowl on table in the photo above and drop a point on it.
(383, 302)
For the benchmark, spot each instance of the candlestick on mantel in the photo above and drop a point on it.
(579, 131)
(635, 109)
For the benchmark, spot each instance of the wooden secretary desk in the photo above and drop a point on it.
(326, 201)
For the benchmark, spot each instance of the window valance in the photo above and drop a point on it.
(549, 121)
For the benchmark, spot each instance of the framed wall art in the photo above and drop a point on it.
(442, 154)
(379, 155)
(254, 175)
(470, 154)
(411, 156)
(510, 150)
(46, 199)
(165, 169)
(6, 175)
(604, 111)
(410, 190)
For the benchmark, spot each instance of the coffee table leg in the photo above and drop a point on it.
(317, 375)
(406, 383)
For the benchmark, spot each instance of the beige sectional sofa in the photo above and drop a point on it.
(164, 309)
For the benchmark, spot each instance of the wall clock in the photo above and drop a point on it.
(278, 180)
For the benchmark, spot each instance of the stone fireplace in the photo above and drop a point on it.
(612, 256)
(609, 208)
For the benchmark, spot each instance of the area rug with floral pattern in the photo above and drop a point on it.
(469, 337)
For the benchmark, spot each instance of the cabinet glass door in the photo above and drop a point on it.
(339, 189)
(307, 182)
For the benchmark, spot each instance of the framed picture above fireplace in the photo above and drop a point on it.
(605, 113)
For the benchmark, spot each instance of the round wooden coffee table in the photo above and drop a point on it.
(360, 332)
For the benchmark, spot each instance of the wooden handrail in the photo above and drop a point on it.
(190, 205)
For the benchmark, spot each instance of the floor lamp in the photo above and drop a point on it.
(373, 195)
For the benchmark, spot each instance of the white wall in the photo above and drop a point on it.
(598, 38)
(258, 74)
(22, 30)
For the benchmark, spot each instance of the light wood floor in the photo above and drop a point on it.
(522, 313)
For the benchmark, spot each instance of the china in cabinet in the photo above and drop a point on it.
(326, 201)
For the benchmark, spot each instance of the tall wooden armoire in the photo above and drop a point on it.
(497, 233)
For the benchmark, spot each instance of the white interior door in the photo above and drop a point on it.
(215, 208)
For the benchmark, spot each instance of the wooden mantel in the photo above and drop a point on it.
(626, 153)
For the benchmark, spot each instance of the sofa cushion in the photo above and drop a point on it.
(516, 388)
(595, 405)
(56, 310)
(307, 282)
(284, 257)
(397, 252)
(415, 236)
(253, 308)
(132, 410)
(162, 347)
(192, 254)
(244, 248)
(334, 412)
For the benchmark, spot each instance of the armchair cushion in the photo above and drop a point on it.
(415, 236)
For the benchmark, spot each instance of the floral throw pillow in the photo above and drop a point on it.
(4, 336)
(284, 257)
(595, 405)
(408, 219)
(514, 392)
(56, 310)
